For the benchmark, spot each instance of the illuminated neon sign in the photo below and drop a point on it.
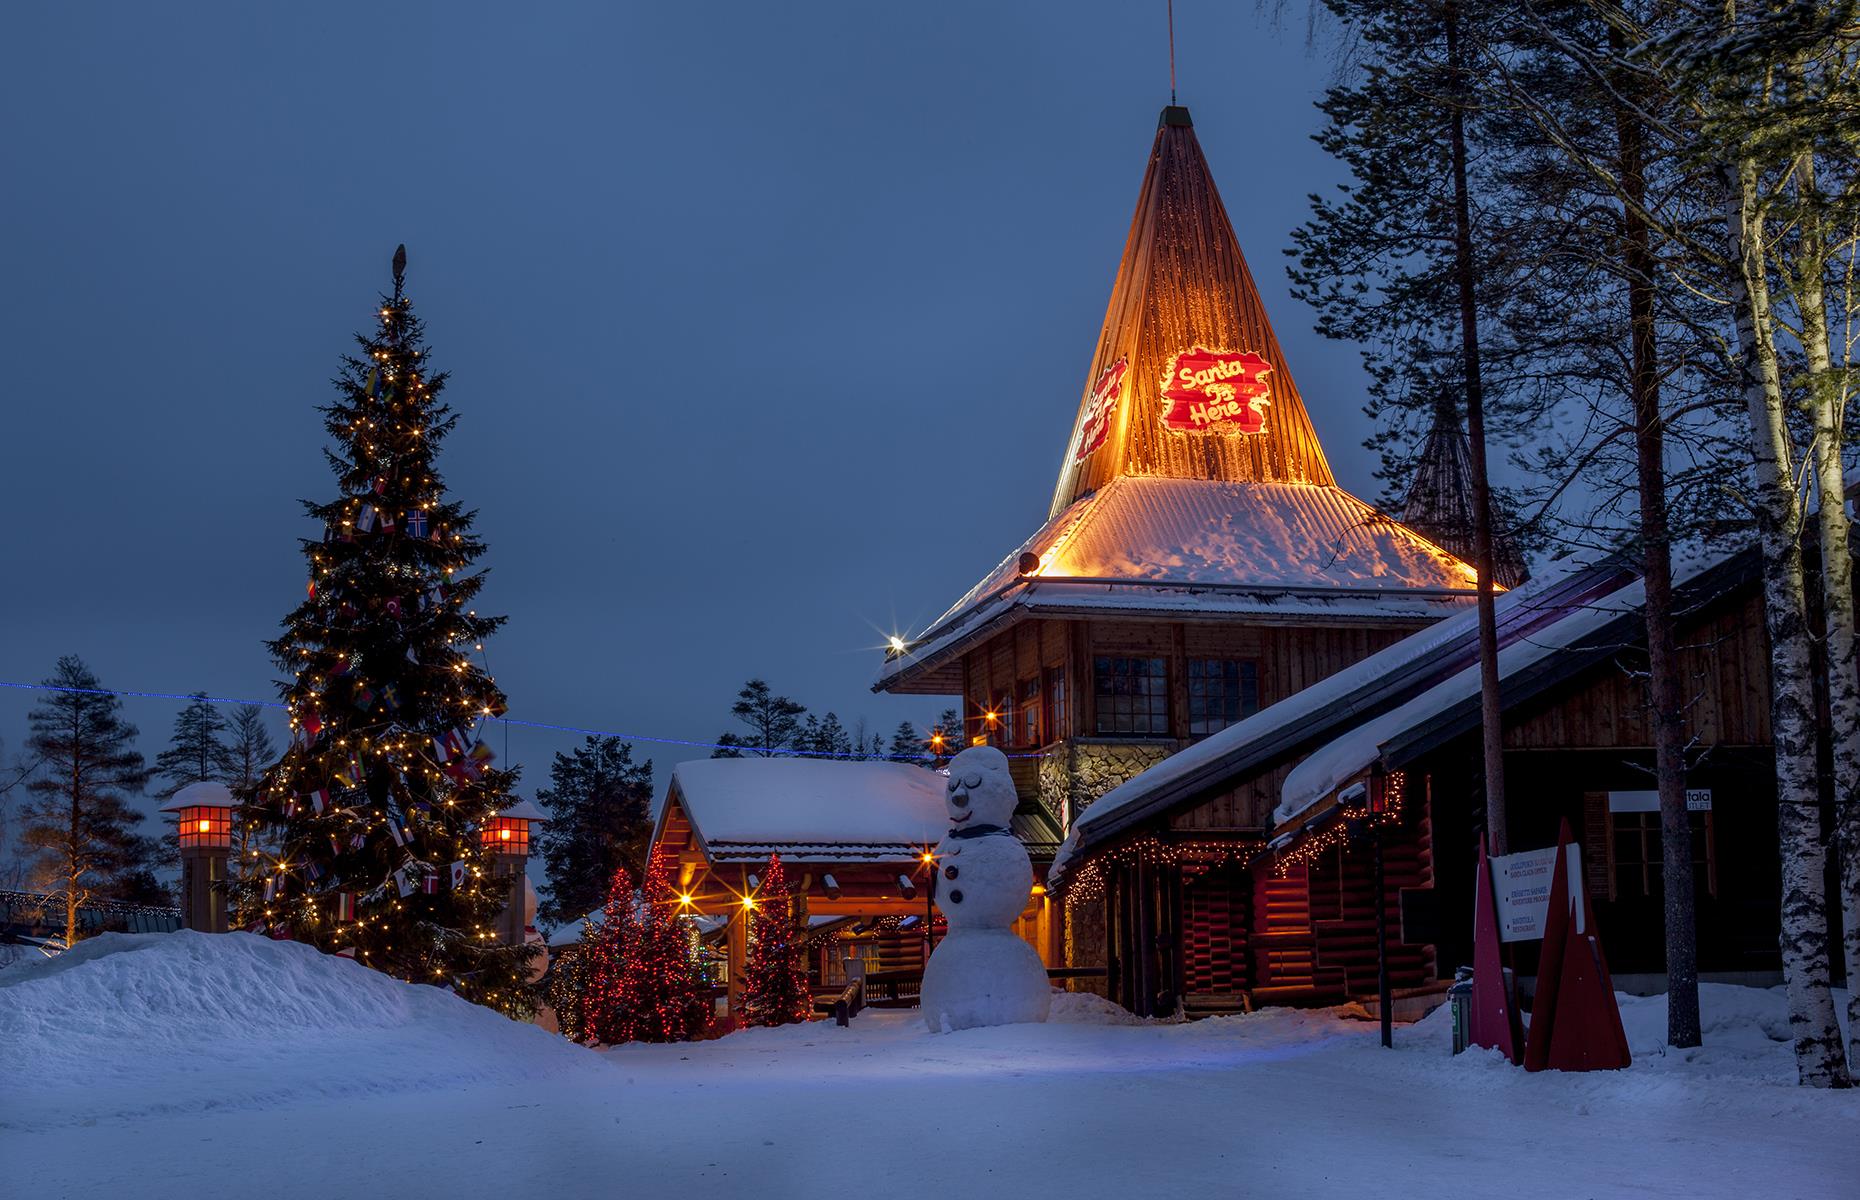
(1216, 391)
(1100, 407)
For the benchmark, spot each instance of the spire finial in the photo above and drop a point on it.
(1171, 53)
(400, 266)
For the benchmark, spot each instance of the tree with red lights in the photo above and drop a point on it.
(643, 980)
(598, 1013)
(774, 982)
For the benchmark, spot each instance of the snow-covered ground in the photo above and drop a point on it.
(191, 1066)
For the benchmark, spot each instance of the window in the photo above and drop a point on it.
(1029, 712)
(1132, 695)
(1058, 717)
(1221, 691)
(998, 721)
(1639, 859)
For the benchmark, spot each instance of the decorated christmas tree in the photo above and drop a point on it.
(588, 997)
(774, 981)
(377, 804)
(661, 986)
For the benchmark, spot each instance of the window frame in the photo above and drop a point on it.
(1141, 704)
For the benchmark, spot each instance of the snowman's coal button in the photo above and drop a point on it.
(949, 872)
(955, 895)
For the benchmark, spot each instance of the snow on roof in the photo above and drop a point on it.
(524, 810)
(1301, 707)
(205, 794)
(1152, 542)
(774, 804)
(1338, 762)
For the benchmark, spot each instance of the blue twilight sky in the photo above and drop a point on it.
(767, 323)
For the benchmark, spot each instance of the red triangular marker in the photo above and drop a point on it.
(1494, 1020)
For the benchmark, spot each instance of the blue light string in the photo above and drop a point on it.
(625, 737)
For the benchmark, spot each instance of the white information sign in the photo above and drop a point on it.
(1521, 886)
(1697, 800)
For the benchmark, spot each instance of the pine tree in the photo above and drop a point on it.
(774, 722)
(907, 745)
(1407, 260)
(78, 830)
(600, 811)
(774, 981)
(661, 987)
(378, 801)
(197, 751)
(249, 754)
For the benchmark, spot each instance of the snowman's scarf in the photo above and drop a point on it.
(975, 831)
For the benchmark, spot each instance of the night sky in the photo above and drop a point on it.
(766, 324)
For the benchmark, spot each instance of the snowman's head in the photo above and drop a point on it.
(980, 790)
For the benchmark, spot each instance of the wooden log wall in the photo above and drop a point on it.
(1724, 673)
(1290, 658)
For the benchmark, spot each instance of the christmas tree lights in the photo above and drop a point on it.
(379, 799)
(774, 981)
(644, 981)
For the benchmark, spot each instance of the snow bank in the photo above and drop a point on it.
(1089, 1008)
(133, 1024)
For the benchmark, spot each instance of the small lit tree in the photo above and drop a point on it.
(661, 989)
(588, 1000)
(774, 982)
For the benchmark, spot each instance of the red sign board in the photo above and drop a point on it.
(1216, 391)
(1100, 407)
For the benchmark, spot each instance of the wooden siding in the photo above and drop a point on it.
(1724, 668)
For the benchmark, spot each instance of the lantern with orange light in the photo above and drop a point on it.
(204, 813)
(507, 835)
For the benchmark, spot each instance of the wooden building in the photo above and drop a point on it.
(1294, 919)
(854, 839)
(1198, 563)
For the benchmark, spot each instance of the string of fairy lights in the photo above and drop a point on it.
(543, 726)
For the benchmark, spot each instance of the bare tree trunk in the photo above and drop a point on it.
(1777, 508)
(1492, 715)
(1664, 693)
(1827, 402)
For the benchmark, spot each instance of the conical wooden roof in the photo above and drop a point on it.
(1183, 286)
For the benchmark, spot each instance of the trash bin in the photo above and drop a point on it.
(1459, 995)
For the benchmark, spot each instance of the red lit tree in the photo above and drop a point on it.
(658, 993)
(597, 1014)
(774, 982)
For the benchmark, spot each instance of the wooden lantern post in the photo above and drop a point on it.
(204, 814)
(507, 836)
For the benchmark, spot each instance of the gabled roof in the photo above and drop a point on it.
(1304, 721)
(1581, 637)
(808, 809)
(1410, 697)
(1193, 482)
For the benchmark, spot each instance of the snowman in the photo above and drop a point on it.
(982, 973)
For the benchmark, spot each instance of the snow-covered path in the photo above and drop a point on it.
(1277, 1104)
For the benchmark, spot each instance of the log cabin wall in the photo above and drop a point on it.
(1314, 924)
(1054, 659)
